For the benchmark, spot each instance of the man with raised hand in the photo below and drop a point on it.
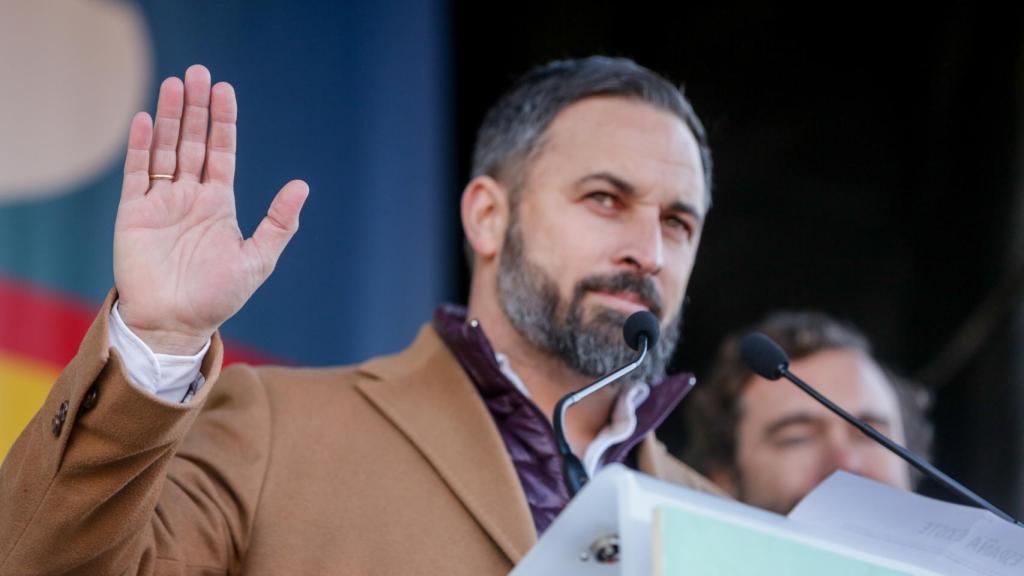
(590, 186)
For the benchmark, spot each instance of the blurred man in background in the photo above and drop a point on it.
(769, 443)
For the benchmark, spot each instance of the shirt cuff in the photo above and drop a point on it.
(166, 376)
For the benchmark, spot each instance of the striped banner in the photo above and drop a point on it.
(40, 331)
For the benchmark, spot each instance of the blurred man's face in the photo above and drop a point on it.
(608, 223)
(787, 443)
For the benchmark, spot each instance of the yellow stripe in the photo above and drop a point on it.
(24, 385)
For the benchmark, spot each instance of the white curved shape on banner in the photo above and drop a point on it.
(71, 76)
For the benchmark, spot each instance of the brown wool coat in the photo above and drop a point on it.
(391, 467)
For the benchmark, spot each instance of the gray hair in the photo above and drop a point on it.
(512, 130)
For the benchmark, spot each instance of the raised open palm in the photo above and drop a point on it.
(181, 265)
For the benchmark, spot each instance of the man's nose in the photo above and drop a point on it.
(643, 249)
(846, 455)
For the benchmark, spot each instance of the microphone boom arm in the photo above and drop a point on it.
(914, 460)
(572, 468)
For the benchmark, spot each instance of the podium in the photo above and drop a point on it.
(626, 523)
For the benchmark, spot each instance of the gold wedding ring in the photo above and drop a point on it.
(161, 177)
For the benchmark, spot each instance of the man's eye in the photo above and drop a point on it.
(680, 227)
(793, 441)
(677, 223)
(604, 199)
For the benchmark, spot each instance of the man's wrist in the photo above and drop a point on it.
(165, 341)
(170, 343)
(174, 378)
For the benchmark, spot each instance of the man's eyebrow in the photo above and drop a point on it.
(627, 189)
(685, 208)
(619, 184)
(791, 420)
(872, 419)
(875, 420)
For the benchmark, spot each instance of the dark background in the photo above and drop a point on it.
(866, 165)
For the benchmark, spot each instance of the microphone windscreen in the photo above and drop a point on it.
(763, 356)
(642, 322)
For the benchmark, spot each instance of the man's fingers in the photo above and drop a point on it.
(163, 151)
(136, 162)
(220, 151)
(279, 225)
(192, 147)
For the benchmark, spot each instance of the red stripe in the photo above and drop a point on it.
(46, 326)
(235, 352)
(40, 323)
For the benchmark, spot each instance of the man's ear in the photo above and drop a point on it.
(485, 215)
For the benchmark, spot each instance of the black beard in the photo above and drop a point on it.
(589, 346)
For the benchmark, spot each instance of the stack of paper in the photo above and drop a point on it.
(943, 537)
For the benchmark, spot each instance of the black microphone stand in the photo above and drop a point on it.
(913, 459)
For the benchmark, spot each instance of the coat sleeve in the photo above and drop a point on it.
(108, 479)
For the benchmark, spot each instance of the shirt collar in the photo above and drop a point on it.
(641, 406)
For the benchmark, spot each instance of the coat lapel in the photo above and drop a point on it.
(426, 395)
(654, 460)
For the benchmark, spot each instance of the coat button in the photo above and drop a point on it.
(89, 402)
(59, 418)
